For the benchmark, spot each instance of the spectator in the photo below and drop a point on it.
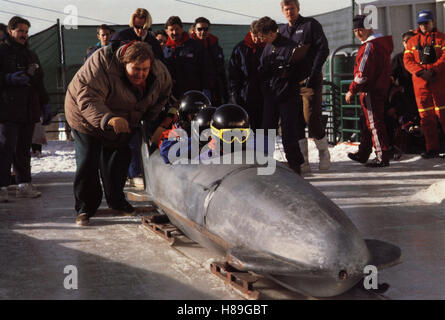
(218, 85)
(24, 98)
(244, 82)
(162, 37)
(279, 82)
(372, 78)
(104, 36)
(186, 60)
(425, 60)
(140, 26)
(403, 101)
(103, 113)
(305, 31)
(140, 29)
(3, 32)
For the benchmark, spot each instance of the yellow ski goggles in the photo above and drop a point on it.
(229, 135)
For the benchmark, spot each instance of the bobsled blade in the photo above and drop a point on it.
(260, 262)
(383, 254)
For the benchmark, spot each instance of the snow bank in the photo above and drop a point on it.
(433, 194)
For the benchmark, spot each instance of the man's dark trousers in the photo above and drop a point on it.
(94, 158)
(15, 144)
(290, 112)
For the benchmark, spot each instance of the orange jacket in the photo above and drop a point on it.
(411, 58)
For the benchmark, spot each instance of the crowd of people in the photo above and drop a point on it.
(169, 78)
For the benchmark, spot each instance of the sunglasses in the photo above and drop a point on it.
(139, 27)
(203, 29)
(238, 134)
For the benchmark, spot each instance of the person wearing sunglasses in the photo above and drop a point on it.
(200, 30)
(140, 29)
(186, 59)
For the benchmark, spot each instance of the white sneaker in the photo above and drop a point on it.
(3, 194)
(26, 190)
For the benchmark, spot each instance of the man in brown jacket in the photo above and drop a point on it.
(104, 103)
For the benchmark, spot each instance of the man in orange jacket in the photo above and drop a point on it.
(425, 60)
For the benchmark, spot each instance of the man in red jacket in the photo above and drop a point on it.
(425, 60)
(372, 78)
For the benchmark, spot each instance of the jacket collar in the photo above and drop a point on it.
(210, 41)
(174, 44)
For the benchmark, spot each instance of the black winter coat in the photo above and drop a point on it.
(279, 79)
(20, 104)
(244, 82)
(189, 66)
(309, 31)
(128, 35)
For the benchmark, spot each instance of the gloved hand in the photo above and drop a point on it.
(119, 124)
(427, 75)
(47, 114)
(18, 78)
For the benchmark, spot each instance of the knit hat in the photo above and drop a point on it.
(358, 21)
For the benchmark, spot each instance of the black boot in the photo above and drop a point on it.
(356, 157)
(430, 154)
(376, 163)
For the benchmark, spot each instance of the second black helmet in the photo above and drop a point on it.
(190, 104)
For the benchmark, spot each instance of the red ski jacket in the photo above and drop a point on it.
(372, 71)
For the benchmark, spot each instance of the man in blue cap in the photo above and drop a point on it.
(425, 60)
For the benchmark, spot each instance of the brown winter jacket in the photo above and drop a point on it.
(100, 90)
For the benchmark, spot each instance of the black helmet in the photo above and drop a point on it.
(230, 116)
(203, 119)
(190, 104)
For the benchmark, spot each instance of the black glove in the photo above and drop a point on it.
(18, 78)
(47, 114)
(427, 75)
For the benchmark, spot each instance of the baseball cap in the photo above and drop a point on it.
(424, 16)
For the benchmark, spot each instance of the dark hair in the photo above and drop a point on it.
(103, 27)
(266, 25)
(253, 25)
(137, 52)
(408, 35)
(15, 21)
(201, 20)
(172, 21)
(161, 32)
(288, 2)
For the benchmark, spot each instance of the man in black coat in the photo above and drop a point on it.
(280, 80)
(218, 86)
(23, 98)
(140, 26)
(308, 31)
(244, 81)
(187, 60)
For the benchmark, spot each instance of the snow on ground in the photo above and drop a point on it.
(59, 156)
